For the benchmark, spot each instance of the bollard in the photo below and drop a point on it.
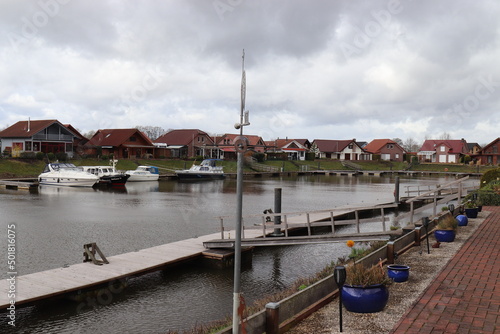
(272, 318)
(340, 275)
(390, 252)
(396, 190)
(277, 209)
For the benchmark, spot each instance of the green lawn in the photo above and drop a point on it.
(10, 168)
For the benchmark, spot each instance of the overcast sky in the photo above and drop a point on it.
(314, 69)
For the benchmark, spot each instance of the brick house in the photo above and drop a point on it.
(490, 154)
(122, 143)
(443, 150)
(228, 151)
(387, 149)
(186, 143)
(46, 136)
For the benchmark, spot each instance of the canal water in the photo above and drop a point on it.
(53, 225)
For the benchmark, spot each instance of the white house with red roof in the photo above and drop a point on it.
(339, 149)
(295, 149)
(443, 150)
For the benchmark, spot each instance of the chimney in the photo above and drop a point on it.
(28, 125)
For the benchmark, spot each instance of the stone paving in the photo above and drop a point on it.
(465, 296)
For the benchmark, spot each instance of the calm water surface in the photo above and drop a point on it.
(53, 225)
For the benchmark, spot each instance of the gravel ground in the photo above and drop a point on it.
(424, 268)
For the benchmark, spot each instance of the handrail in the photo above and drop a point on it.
(437, 189)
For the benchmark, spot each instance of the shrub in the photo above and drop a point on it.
(259, 156)
(40, 155)
(61, 156)
(447, 222)
(489, 176)
(27, 155)
(51, 156)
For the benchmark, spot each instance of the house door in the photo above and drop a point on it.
(347, 156)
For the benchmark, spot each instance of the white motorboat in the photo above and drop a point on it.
(208, 170)
(143, 173)
(108, 175)
(66, 174)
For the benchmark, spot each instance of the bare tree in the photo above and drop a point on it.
(445, 136)
(153, 132)
(411, 145)
(398, 141)
(89, 134)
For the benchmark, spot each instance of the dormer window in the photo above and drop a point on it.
(443, 148)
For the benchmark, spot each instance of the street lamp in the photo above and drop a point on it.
(340, 275)
(240, 146)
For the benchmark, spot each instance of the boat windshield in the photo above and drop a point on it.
(65, 166)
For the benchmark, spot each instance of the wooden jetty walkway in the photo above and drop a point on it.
(27, 184)
(57, 282)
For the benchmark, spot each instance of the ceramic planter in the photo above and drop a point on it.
(398, 272)
(444, 235)
(462, 220)
(471, 212)
(370, 299)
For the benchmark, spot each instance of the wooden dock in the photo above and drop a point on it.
(25, 184)
(55, 283)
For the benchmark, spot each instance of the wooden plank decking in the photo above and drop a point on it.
(57, 282)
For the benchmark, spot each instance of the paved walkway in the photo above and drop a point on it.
(465, 296)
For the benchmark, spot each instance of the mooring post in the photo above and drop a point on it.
(390, 252)
(396, 190)
(277, 209)
(272, 318)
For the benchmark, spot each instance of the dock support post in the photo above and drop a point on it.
(418, 235)
(277, 209)
(390, 252)
(356, 214)
(396, 190)
(272, 318)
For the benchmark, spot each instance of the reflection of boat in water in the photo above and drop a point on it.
(207, 170)
(66, 174)
(142, 187)
(143, 173)
(108, 175)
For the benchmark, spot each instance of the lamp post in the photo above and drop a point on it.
(339, 274)
(240, 146)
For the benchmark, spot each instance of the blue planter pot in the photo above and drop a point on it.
(471, 213)
(398, 272)
(444, 235)
(370, 299)
(462, 220)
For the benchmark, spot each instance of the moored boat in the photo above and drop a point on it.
(66, 174)
(108, 175)
(207, 170)
(143, 173)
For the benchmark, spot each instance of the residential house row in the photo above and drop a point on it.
(51, 136)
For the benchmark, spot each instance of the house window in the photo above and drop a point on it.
(350, 146)
(390, 146)
(36, 146)
(27, 145)
(132, 138)
(69, 147)
(443, 148)
(495, 149)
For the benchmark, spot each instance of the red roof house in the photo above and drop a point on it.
(121, 143)
(387, 149)
(443, 150)
(227, 141)
(490, 154)
(46, 136)
(186, 143)
(339, 149)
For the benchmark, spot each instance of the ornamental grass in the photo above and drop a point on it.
(360, 275)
